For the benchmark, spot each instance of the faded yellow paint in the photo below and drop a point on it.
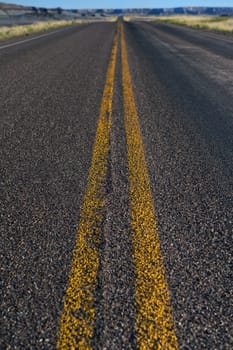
(154, 323)
(77, 319)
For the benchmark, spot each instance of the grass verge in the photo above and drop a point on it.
(22, 30)
(216, 23)
(219, 23)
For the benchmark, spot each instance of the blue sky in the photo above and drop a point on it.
(121, 3)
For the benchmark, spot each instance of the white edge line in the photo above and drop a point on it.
(34, 38)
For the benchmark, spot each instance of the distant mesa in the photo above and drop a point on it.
(12, 10)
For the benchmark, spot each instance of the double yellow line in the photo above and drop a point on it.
(154, 325)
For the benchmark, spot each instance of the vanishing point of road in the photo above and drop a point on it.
(116, 168)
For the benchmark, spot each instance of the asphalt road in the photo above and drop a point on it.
(51, 93)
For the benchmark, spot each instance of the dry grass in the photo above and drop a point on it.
(222, 24)
(21, 30)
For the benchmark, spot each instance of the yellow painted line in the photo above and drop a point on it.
(77, 319)
(154, 323)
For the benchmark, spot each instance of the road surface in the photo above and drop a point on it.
(116, 188)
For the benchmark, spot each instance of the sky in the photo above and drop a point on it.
(74, 4)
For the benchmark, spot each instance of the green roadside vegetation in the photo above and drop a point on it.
(219, 23)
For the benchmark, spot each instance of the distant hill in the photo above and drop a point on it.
(215, 11)
(5, 6)
(17, 10)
